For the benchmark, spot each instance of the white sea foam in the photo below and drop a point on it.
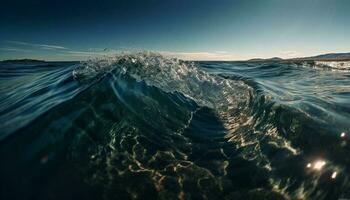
(336, 65)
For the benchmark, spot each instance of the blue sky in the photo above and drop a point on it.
(197, 30)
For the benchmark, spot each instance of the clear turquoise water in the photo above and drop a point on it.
(140, 126)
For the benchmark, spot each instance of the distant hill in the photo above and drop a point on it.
(22, 61)
(322, 57)
(331, 57)
(267, 59)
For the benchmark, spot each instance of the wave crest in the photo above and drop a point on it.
(170, 75)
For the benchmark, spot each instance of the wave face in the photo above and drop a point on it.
(142, 126)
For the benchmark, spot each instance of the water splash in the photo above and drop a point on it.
(170, 75)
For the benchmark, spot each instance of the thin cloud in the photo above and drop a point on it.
(14, 49)
(45, 46)
(42, 46)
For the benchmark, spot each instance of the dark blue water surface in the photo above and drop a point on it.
(141, 126)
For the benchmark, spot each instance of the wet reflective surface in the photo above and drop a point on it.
(141, 126)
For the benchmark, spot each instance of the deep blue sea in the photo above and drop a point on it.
(143, 126)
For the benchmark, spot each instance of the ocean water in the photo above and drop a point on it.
(142, 126)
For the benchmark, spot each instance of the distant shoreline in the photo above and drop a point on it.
(25, 60)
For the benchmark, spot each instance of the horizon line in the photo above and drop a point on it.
(185, 56)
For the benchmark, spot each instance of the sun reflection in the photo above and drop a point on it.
(342, 134)
(334, 175)
(317, 165)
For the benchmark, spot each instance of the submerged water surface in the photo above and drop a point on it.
(141, 126)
